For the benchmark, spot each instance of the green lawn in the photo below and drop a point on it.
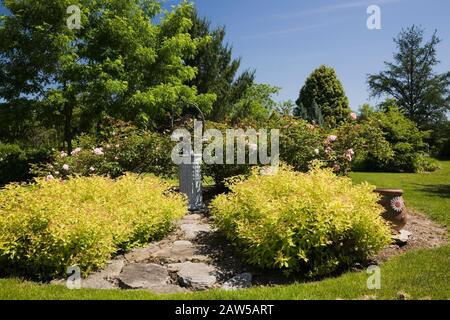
(426, 192)
(420, 274)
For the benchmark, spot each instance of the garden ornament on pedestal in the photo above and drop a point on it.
(394, 207)
(190, 175)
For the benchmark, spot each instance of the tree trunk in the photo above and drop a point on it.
(68, 111)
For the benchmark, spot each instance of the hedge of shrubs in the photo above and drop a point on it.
(16, 162)
(302, 142)
(377, 141)
(122, 148)
(406, 143)
(52, 224)
(314, 223)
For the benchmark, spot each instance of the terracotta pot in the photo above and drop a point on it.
(394, 207)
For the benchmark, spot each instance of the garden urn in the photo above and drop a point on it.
(394, 207)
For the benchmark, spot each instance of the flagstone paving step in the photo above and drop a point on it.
(196, 276)
(196, 257)
(175, 264)
(192, 230)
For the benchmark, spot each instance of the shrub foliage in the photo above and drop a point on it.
(50, 225)
(406, 142)
(122, 148)
(15, 162)
(315, 223)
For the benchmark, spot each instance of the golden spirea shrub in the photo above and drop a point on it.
(314, 223)
(50, 225)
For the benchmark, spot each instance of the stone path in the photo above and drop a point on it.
(195, 257)
(184, 261)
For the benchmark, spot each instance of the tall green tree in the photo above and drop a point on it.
(323, 96)
(217, 70)
(34, 51)
(256, 105)
(120, 63)
(421, 93)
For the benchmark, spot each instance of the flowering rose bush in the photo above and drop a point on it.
(122, 149)
(218, 172)
(302, 142)
(353, 141)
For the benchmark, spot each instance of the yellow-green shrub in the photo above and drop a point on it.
(50, 225)
(314, 223)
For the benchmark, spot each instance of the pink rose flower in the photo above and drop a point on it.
(98, 151)
(331, 138)
(349, 154)
(76, 151)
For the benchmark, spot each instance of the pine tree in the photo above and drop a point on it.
(316, 115)
(300, 111)
(422, 94)
(323, 92)
(217, 70)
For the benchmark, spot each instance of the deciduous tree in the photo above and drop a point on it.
(121, 63)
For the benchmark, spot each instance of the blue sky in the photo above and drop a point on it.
(285, 40)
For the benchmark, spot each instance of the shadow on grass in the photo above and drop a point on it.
(440, 190)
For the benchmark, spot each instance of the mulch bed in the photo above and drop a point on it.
(426, 234)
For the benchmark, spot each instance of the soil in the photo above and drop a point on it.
(426, 234)
(196, 247)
